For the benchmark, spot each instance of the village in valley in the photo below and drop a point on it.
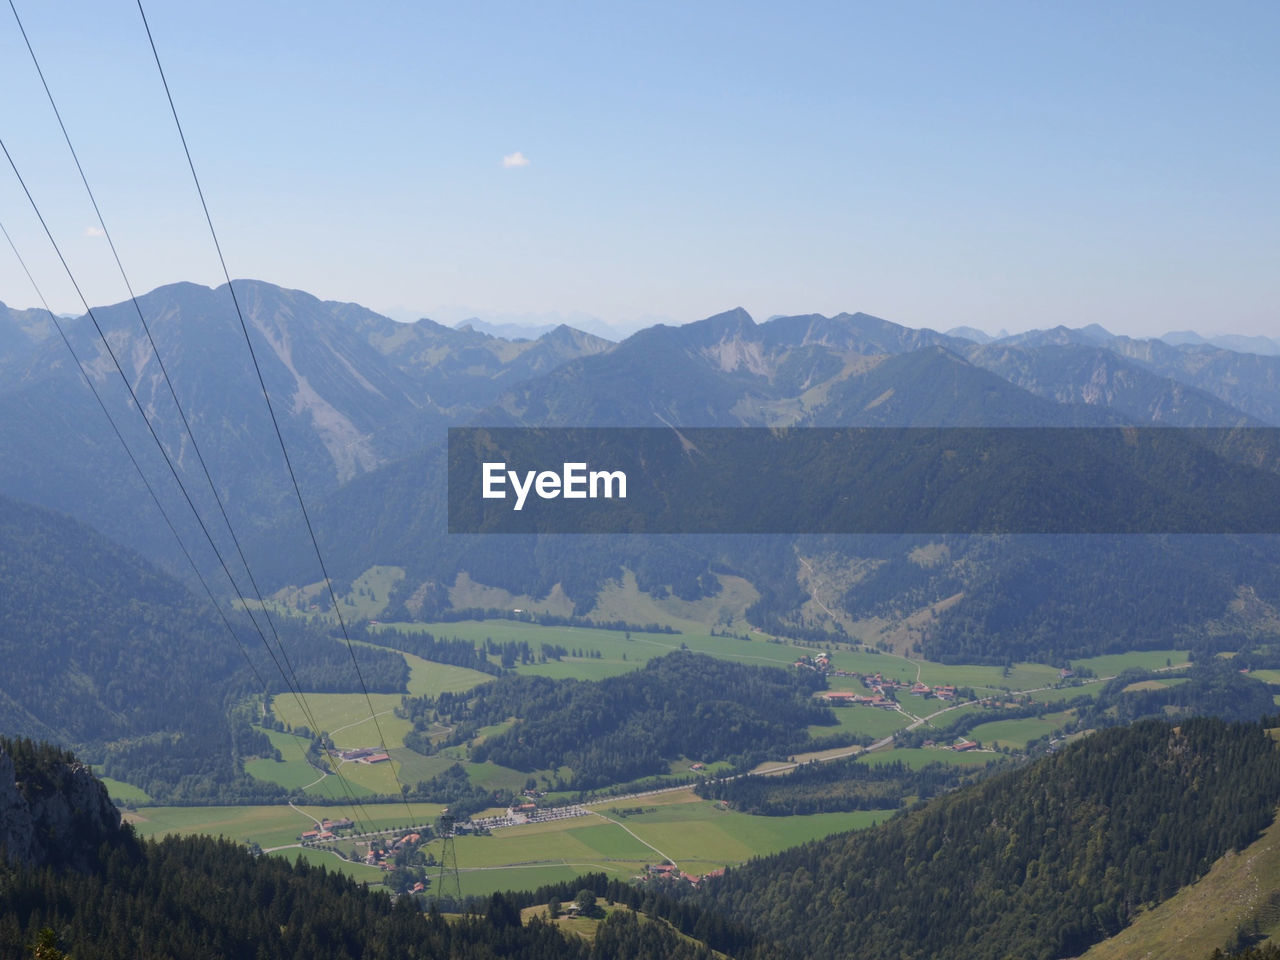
(861, 686)
(881, 690)
(881, 693)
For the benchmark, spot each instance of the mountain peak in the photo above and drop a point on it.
(736, 320)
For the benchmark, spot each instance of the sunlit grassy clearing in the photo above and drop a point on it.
(1016, 733)
(370, 592)
(854, 720)
(124, 792)
(346, 717)
(430, 679)
(611, 644)
(1112, 664)
(623, 600)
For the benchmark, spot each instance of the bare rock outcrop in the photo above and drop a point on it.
(52, 809)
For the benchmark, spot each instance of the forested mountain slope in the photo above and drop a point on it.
(103, 652)
(1039, 862)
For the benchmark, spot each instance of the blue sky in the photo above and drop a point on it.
(994, 164)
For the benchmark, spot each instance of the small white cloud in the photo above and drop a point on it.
(93, 232)
(516, 159)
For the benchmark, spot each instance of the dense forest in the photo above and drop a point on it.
(1038, 862)
(204, 899)
(622, 728)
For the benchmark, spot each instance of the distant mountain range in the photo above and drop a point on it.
(1264, 346)
(364, 403)
(1260, 345)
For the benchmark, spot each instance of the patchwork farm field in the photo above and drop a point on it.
(294, 772)
(595, 654)
(620, 836)
(698, 835)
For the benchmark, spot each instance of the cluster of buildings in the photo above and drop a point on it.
(326, 830)
(365, 755)
(882, 685)
(820, 662)
(881, 690)
(379, 856)
(669, 873)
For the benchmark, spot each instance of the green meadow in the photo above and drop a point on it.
(346, 717)
(294, 771)
(1112, 664)
(1015, 734)
(123, 792)
(616, 653)
(917, 757)
(855, 720)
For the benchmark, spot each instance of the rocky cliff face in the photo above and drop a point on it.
(52, 809)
